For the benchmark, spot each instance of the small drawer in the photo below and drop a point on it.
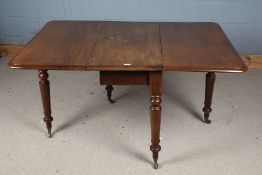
(124, 78)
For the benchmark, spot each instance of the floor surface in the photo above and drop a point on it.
(92, 136)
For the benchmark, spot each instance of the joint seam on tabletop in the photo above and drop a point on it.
(94, 46)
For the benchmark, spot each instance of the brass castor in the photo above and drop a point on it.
(109, 89)
(110, 100)
(49, 134)
(155, 165)
(207, 121)
(206, 116)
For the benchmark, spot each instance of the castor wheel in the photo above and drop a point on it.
(49, 134)
(110, 100)
(155, 165)
(109, 89)
(207, 121)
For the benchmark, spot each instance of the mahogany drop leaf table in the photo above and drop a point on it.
(130, 53)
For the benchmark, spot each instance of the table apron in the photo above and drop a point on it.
(124, 77)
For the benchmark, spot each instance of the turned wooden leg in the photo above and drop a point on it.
(210, 80)
(155, 113)
(109, 89)
(45, 94)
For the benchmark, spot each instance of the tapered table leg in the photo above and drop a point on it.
(155, 113)
(109, 89)
(210, 81)
(45, 94)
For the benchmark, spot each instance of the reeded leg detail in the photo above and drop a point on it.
(109, 89)
(155, 109)
(210, 81)
(155, 113)
(45, 94)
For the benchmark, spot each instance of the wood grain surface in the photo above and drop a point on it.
(130, 46)
(59, 45)
(198, 47)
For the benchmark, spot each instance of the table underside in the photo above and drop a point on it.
(130, 46)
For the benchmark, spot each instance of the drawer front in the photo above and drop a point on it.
(124, 78)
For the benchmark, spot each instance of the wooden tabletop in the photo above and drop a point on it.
(130, 46)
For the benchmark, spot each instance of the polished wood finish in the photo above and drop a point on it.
(60, 45)
(251, 61)
(155, 79)
(109, 89)
(45, 94)
(200, 47)
(81, 45)
(142, 46)
(210, 81)
(124, 78)
(128, 46)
